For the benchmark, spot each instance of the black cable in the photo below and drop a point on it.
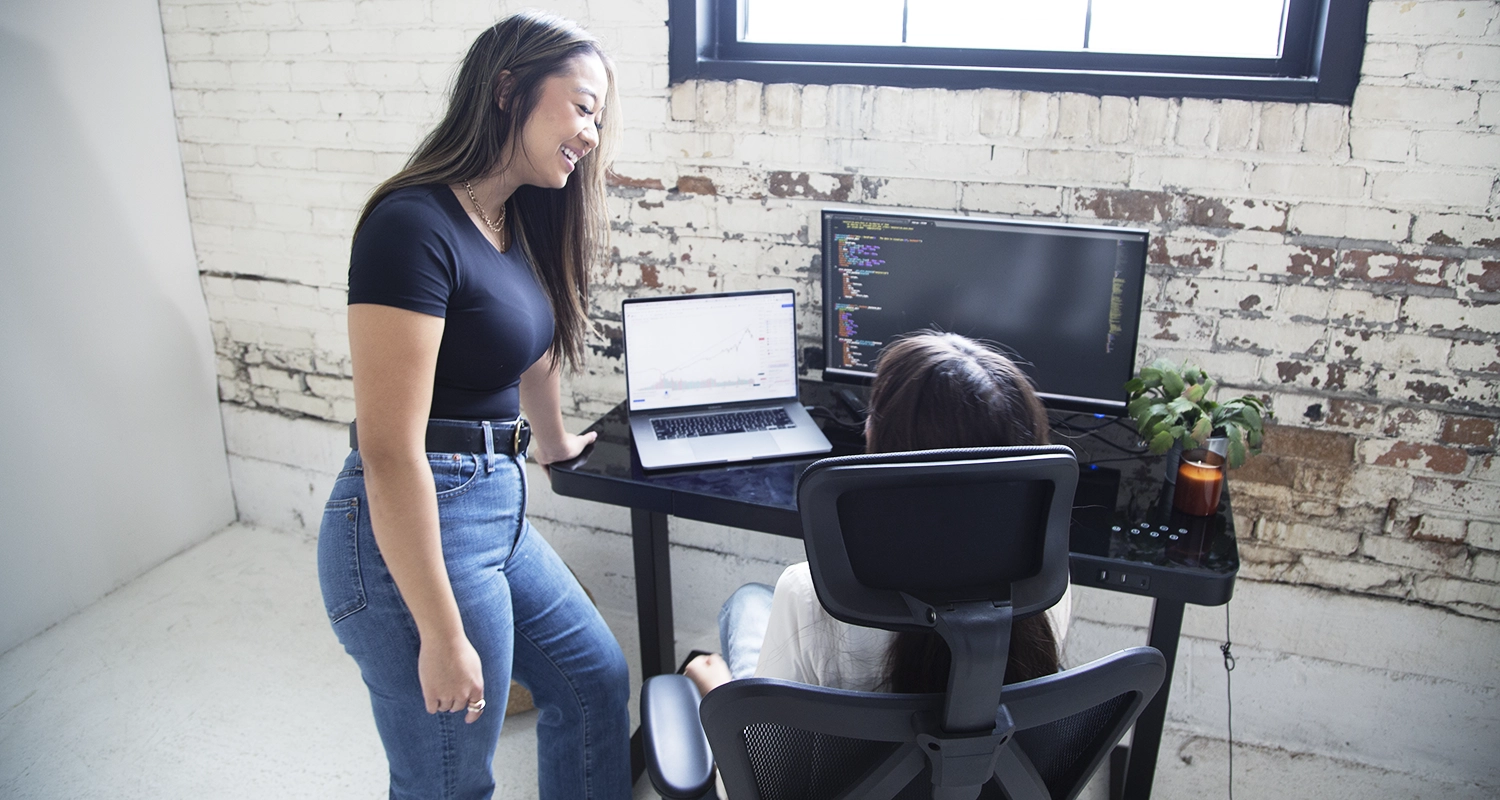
(828, 414)
(1229, 696)
(1063, 428)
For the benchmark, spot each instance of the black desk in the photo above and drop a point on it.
(1124, 538)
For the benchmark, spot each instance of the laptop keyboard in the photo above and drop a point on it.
(769, 419)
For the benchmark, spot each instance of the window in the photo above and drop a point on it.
(1289, 50)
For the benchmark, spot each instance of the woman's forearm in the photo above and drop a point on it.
(541, 397)
(404, 518)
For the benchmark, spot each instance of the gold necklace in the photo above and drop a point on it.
(495, 226)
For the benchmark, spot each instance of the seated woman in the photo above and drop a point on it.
(932, 390)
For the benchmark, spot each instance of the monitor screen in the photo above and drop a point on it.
(1063, 301)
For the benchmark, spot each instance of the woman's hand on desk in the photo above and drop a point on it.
(569, 447)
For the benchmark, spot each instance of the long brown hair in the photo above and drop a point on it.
(934, 390)
(562, 232)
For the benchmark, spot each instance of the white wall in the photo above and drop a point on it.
(111, 447)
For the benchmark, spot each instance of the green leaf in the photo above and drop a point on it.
(1162, 442)
(1202, 430)
(1182, 406)
(1172, 383)
(1253, 438)
(1195, 393)
(1236, 452)
(1135, 386)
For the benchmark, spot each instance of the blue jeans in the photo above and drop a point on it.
(742, 627)
(521, 608)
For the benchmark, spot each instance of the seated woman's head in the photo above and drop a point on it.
(938, 390)
(934, 390)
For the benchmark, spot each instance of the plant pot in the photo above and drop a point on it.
(1216, 444)
(1170, 461)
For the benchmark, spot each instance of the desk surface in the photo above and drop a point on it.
(1125, 537)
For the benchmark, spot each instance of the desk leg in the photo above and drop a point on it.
(1166, 626)
(653, 608)
(653, 592)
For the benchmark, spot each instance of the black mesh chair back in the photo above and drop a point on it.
(959, 542)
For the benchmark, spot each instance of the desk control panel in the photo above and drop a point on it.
(1126, 537)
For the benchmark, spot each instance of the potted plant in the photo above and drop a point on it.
(1170, 405)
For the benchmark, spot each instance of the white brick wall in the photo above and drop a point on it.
(1342, 262)
(1271, 218)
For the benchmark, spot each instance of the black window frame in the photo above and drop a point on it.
(1324, 47)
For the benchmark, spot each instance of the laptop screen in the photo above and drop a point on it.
(708, 349)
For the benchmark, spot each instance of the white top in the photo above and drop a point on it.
(805, 644)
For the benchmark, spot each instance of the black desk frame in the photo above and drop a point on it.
(651, 503)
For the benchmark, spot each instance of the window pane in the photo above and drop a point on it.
(823, 21)
(1239, 28)
(997, 24)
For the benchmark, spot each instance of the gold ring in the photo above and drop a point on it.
(476, 706)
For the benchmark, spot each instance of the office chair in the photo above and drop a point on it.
(961, 542)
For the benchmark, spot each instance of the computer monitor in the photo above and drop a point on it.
(1063, 301)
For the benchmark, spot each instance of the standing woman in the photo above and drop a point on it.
(466, 293)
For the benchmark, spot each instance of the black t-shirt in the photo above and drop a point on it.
(419, 251)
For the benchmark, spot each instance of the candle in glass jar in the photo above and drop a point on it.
(1200, 479)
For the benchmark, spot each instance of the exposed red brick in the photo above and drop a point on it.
(1441, 238)
(646, 205)
(785, 184)
(1352, 413)
(1429, 392)
(1156, 252)
(1185, 253)
(1209, 212)
(650, 277)
(1250, 301)
(1164, 320)
(1474, 431)
(1125, 204)
(1309, 445)
(1267, 469)
(1289, 370)
(1367, 265)
(1447, 460)
(616, 179)
(1314, 262)
(696, 184)
(1397, 424)
(1488, 279)
(1338, 377)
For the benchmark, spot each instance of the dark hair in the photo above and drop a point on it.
(934, 390)
(561, 231)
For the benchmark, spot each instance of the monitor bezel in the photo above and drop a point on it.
(1089, 405)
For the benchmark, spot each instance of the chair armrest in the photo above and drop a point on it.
(678, 760)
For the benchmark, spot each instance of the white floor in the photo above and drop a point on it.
(216, 675)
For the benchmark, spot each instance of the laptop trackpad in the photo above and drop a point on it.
(738, 447)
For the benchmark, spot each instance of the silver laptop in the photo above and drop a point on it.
(713, 378)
